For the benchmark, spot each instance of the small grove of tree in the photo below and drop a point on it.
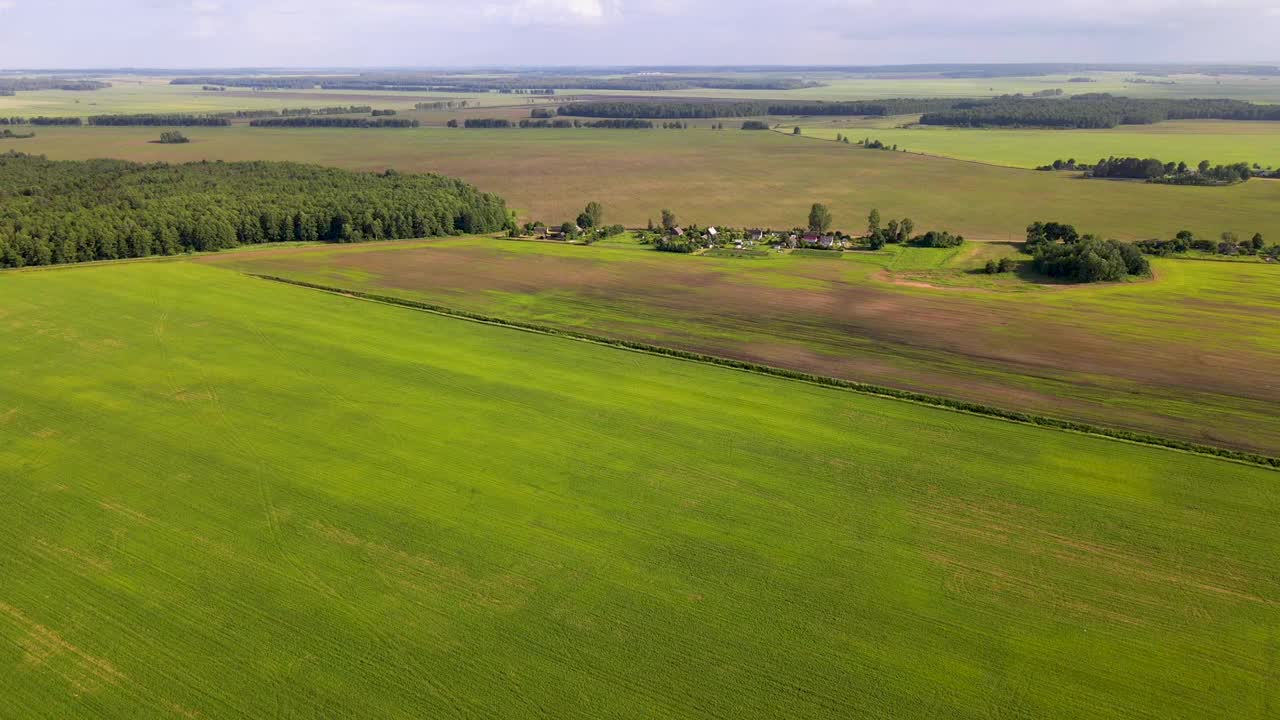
(939, 239)
(542, 113)
(755, 125)
(1081, 258)
(795, 130)
(819, 218)
(1003, 265)
(1171, 173)
(382, 113)
(173, 137)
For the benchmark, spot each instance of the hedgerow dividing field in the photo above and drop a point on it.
(230, 498)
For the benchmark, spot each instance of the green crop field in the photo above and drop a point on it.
(1189, 141)
(1170, 356)
(226, 497)
(715, 177)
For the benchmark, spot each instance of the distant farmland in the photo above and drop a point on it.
(231, 498)
(1170, 356)
(717, 177)
(1189, 141)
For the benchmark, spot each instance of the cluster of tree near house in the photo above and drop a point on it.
(817, 234)
(587, 228)
(1228, 244)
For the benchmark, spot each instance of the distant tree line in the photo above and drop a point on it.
(7, 134)
(755, 125)
(1059, 251)
(1171, 173)
(558, 123)
(716, 109)
(64, 212)
(440, 105)
(1093, 110)
(41, 120)
(382, 113)
(335, 122)
(166, 119)
(528, 84)
(613, 124)
(1228, 244)
(8, 86)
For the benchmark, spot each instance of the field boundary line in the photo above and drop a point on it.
(935, 401)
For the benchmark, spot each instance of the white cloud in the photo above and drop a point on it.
(8, 4)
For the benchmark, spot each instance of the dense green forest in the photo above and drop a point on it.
(55, 212)
(714, 109)
(1094, 110)
(335, 122)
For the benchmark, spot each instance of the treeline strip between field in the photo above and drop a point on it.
(859, 387)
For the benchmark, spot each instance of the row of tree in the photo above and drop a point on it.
(160, 119)
(1171, 173)
(335, 122)
(1228, 243)
(41, 120)
(64, 212)
(629, 124)
(674, 109)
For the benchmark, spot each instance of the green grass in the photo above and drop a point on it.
(227, 498)
(1168, 356)
(1189, 141)
(716, 177)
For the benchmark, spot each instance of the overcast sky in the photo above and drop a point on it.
(239, 33)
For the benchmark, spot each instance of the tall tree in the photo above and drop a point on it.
(668, 219)
(819, 218)
(873, 222)
(594, 213)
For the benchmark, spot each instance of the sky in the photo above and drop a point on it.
(440, 33)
